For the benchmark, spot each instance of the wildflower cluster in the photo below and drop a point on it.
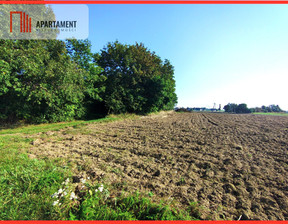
(100, 189)
(104, 191)
(73, 196)
(83, 181)
(61, 193)
(71, 191)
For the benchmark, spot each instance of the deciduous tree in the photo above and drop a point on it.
(40, 82)
(137, 79)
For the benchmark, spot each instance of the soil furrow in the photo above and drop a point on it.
(232, 165)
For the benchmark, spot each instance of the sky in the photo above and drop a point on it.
(221, 53)
(78, 13)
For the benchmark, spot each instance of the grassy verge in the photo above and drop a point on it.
(25, 184)
(32, 129)
(273, 114)
(32, 189)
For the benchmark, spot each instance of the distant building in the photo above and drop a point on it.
(212, 110)
(196, 109)
(199, 109)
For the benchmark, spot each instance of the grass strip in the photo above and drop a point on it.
(272, 114)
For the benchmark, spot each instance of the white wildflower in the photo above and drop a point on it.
(96, 190)
(101, 189)
(73, 196)
(55, 202)
(66, 181)
(88, 178)
(55, 195)
(60, 191)
(83, 181)
(64, 193)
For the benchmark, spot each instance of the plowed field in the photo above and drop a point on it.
(234, 166)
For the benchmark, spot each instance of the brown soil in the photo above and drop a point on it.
(233, 165)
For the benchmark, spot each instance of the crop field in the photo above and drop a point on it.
(232, 166)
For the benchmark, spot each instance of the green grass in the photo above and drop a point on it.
(32, 129)
(26, 186)
(133, 207)
(273, 114)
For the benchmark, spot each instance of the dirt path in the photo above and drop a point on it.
(233, 165)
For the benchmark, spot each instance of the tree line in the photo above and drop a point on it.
(242, 108)
(267, 109)
(52, 80)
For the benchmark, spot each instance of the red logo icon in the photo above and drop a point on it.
(25, 22)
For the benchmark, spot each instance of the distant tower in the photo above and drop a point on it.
(214, 106)
(219, 106)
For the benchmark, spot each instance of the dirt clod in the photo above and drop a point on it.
(36, 142)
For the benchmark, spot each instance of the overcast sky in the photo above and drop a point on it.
(221, 53)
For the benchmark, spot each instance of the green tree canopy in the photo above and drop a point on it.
(39, 82)
(137, 79)
(81, 54)
(52, 80)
